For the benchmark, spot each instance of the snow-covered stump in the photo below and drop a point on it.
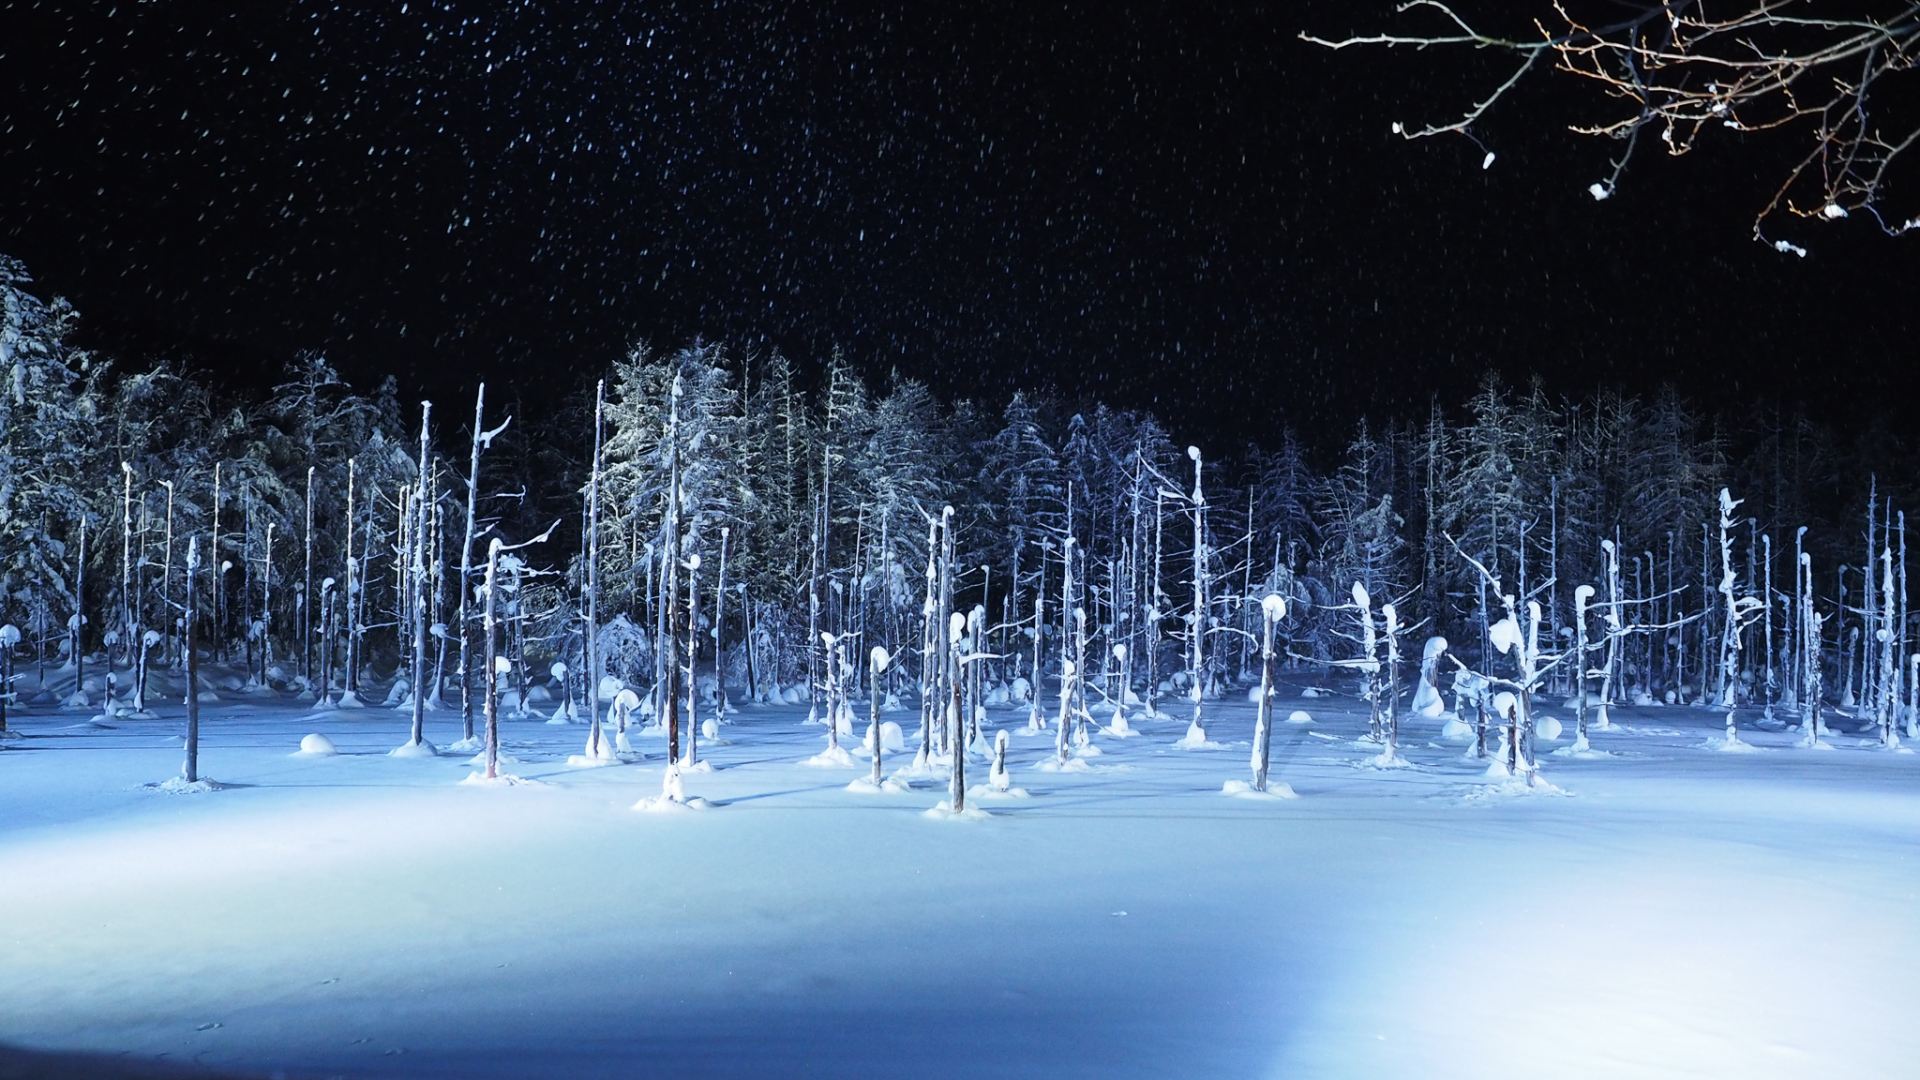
(997, 777)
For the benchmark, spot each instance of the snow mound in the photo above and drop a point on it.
(500, 758)
(889, 786)
(1730, 744)
(833, 757)
(987, 791)
(1546, 727)
(663, 804)
(1310, 692)
(317, 745)
(1577, 753)
(891, 738)
(421, 749)
(1456, 729)
(1276, 790)
(180, 785)
(583, 761)
(1299, 718)
(500, 780)
(1514, 788)
(465, 746)
(944, 812)
(1070, 765)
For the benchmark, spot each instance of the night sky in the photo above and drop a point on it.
(1185, 207)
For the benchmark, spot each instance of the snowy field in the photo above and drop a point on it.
(1671, 911)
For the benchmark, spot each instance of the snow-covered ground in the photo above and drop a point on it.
(1673, 911)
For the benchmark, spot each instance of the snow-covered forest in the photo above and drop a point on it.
(1480, 670)
(711, 519)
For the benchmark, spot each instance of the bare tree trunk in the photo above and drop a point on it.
(464, 582)
(352, 615)
(493, 675)
(719, 629)
(1272, 610)
(191, 770)
(1197, 625)
(306, 586)
(419, 734)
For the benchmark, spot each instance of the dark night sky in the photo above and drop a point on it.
(1180, 207)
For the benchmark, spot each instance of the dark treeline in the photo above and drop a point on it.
(778, 514)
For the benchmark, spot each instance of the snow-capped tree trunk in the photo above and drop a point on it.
(1913, 693)
(1730, 632)
(670, 574)
(167, 606)
(1797, 623)
(217, 570)
(814, 679)
(266, 605)
(1036, 721)
(1155, 607)
(1582, 596)
(129, 621)
(491, 631)
(1273, 608)
(1069, 669)
(439, 614)
(1615, 623)
(590, 639)
(719, 631)
(1080, 714)
(1884, 701)
(1766, 594)
(957, 774)
(78, 623)
(945, 657)
(464, 583)
(305, 606)
(877, 661)
(1810, 637)
(1899, 625)
(1197, 620)
(351, 616)
(1391, 618)
(323, 696)
(419, 557)
(929, 612)
(693, 662)
(190, 770)
(9, 637)
(1868, 612)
